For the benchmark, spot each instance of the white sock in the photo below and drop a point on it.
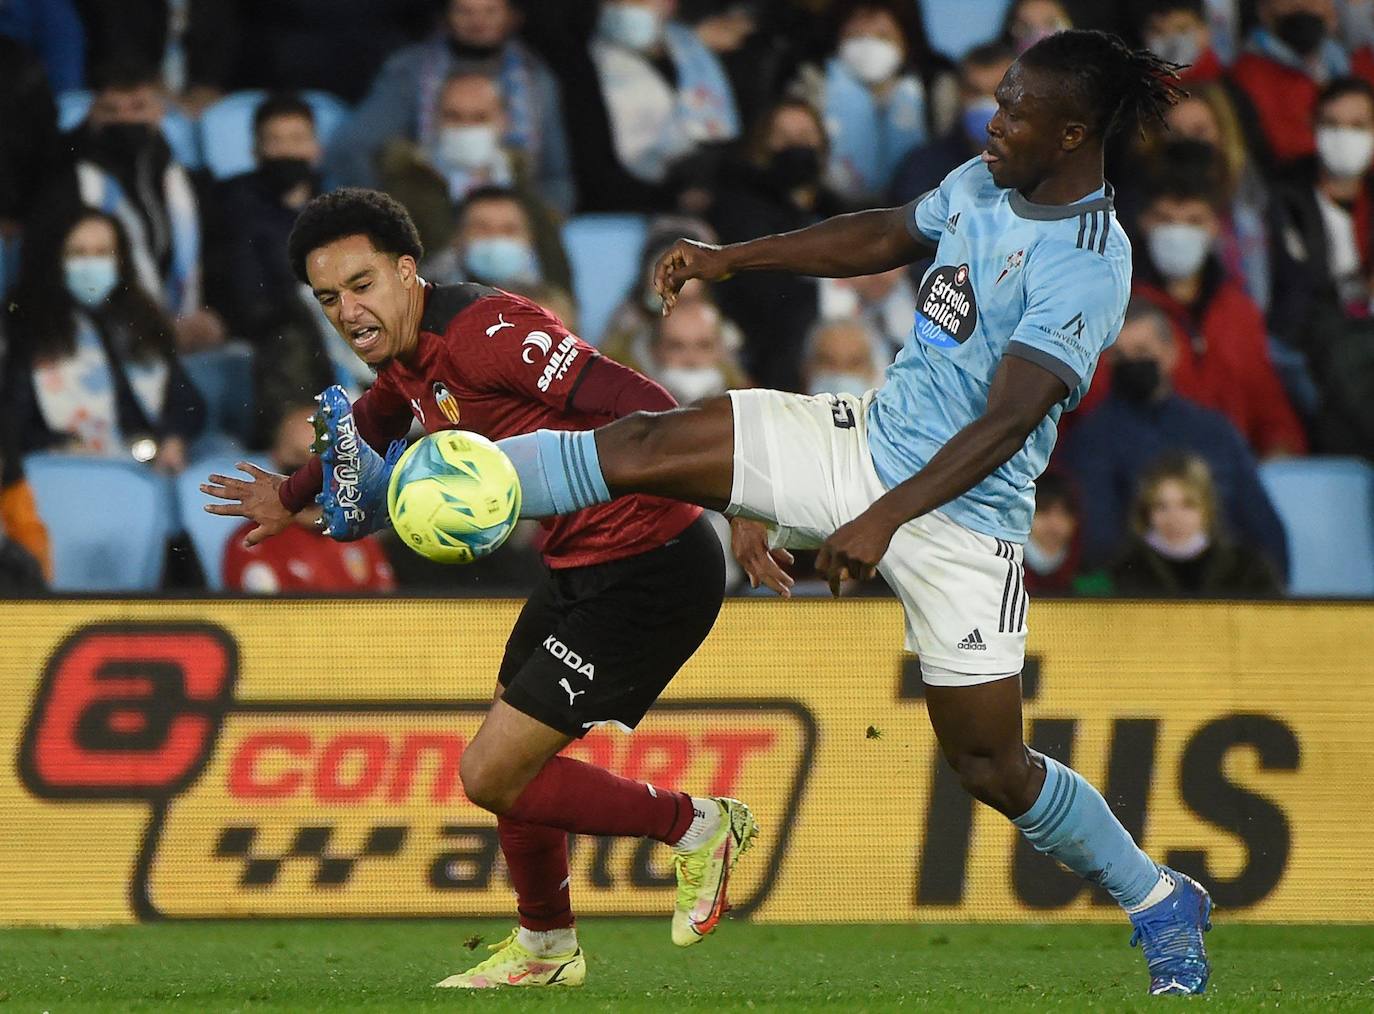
(706, 818)
(1162, 889)
(546, 943)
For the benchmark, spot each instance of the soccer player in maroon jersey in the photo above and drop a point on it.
(633, 586)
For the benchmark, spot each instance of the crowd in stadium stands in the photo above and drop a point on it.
(139, 265)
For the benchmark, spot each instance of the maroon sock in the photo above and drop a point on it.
(585, 799)
(537, 857)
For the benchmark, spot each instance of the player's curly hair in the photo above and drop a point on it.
(1111, 83)
(352, 211)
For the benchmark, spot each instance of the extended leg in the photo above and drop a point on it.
(686, 454)
(1062, 815)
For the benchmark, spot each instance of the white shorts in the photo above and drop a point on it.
(802, 464)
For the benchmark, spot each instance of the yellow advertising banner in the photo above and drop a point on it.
(249, 758)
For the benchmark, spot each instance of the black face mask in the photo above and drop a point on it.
(280, 175)
(466, 51)
(798, 166)
(1136, 380)
(1302, 32)
(123, 141)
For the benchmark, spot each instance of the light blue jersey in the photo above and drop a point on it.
(1046, 283)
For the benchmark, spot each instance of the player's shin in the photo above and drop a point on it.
(537, 858)
(1071, 822)
(559, 471)
(586, 799)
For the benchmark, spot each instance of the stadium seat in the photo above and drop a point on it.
(177, 127)
(226, 128)
(108, 520)
(209, 532)
(604, 251)
(953, 27)
(224, 378)
(1327, 509)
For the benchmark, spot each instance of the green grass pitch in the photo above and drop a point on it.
(632, 966)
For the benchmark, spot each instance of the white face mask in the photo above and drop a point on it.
(870, 59)
(630, 25)
(1345, 151)
(1178, 250)
(1042, 561)
(467, 147)
(1180, 47)
(838, 383)
(692, 383)
(90, 280)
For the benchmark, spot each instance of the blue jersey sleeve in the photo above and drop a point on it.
(930, 211)
(1075, 305)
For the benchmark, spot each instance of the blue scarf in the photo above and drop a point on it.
(1334, 60)
(515, 79)
(867, 137)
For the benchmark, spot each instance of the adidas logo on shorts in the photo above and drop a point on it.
(974, 642)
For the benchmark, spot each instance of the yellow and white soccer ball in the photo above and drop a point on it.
(454, 497)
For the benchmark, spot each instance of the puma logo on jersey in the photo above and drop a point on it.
(573, 695)
(500, 323)
(535, 340)
(568, 657)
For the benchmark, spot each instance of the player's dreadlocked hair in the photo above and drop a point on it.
(1113, 84)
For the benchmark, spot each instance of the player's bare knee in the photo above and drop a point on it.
(997, 778)
(484, 783)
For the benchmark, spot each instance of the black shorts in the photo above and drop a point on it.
(599, 643)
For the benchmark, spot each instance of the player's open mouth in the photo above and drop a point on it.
(366, 337)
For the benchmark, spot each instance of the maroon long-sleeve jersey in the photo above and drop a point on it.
(497, 364)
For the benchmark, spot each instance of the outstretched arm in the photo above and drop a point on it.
(863, 243)
(1021, 395)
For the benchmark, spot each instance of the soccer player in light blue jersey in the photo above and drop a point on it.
(930, 479)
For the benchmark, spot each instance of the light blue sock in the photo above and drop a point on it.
(559, 471)
(1072, 823)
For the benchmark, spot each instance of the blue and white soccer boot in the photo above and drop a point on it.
(355, 476)
(1171, 935)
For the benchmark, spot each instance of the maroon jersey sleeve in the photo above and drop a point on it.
(507, 343)
(382, 416)
(608, 388)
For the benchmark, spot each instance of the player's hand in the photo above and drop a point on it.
(257, 499)
(684, 260)
(749, 544)
(854, 550)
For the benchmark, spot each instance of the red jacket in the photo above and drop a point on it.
(1285, 99)
(1224, 364)
(1204, 70)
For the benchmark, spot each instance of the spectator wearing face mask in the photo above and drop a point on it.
(256, 211)
(883, 302)
(1177, 31)
(1141, 419)
(1177, 547)
(923, 168)
(302, 559)
(663, 93)
(248, 276)
(842, 356)
(1290, 57)
(882, 92)
(1324, 217)
(1210, 117)
(479, 37)
(499, 241)
(1029, 21)
(465, 154)
(1222, 340)
(91, 367)
(634, 323)
(1053, 551)
(122, 163)
(1323, 307)
(688, 355)
(778, 189)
